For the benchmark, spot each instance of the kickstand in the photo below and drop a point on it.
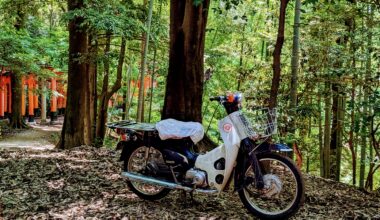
(186, 202)
(193, 201)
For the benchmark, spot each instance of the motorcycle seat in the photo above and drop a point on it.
(174, 129)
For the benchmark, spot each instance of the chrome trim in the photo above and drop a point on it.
(150, 180)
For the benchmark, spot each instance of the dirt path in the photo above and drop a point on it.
(38, 137)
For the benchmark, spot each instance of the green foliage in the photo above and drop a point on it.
(18, 51)
(109, 16)
(197, 2)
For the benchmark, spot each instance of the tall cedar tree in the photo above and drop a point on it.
(74, 128)
(184, 87)
(277, 56)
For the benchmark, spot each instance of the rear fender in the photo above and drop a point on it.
(126, 146)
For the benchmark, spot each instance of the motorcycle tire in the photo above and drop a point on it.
(276, 182)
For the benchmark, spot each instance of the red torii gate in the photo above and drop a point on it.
(30, 85)
(5, 93)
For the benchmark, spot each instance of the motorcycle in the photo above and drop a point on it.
(160, 157)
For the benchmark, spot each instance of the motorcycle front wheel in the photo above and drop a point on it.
(283, 192)
(136, 160)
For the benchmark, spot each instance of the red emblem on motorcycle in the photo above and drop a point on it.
(227, 127)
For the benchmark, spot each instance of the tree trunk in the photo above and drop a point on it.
(277, 56)
(320, 136)
(103, 102)
(73, 131)
(141, 100)
(327, 136)
(184, 86)
(153, 71)
(151, 84)
(92, 84)
(43, 102)
(91, 93)
(334, 131)
(294, 76)
(16, 120)
(107, 94)
(340, 127)
(295, 64)
(128, 99)
(363, 147)
(367, 91)
(351, 141)
(351, 134)
(241, 72)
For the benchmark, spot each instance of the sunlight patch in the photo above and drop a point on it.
(56, 184)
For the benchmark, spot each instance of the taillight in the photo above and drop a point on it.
(123, 137)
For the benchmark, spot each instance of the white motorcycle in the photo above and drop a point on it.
(158, 158)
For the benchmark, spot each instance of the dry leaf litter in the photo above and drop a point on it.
(85, 183)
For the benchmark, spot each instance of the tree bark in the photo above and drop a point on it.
(241, 75)
(43, 102)
(184, 87)
(151, 84)
(73, 131)
(141, 100)
(363, 153)
(351, 141)
(327, 134)
(295, 64)
(320, 136)
(128, 99)
(340, 127)
(92, 96)
(16, 120)
(337, 109)
(277, 56)
(351, 135)
(335, 130)
(107, 94)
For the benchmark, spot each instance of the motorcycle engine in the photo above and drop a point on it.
(196, 177)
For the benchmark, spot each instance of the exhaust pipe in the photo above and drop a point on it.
(150, 180)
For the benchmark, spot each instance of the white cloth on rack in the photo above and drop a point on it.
(174, 129)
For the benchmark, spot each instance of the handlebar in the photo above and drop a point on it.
(229, 98)
(217, 98)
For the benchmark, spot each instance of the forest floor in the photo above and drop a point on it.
(85, 183)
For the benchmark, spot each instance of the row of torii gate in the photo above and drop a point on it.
(34, 98)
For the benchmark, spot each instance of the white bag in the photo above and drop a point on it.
(173, 129)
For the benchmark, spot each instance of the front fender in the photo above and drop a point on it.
(273, 147)
(248, 158)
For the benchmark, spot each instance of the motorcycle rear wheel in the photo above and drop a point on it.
(283, 193)
(135, 161)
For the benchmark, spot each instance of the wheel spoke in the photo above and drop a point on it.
(137, 163)
(280, 190)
